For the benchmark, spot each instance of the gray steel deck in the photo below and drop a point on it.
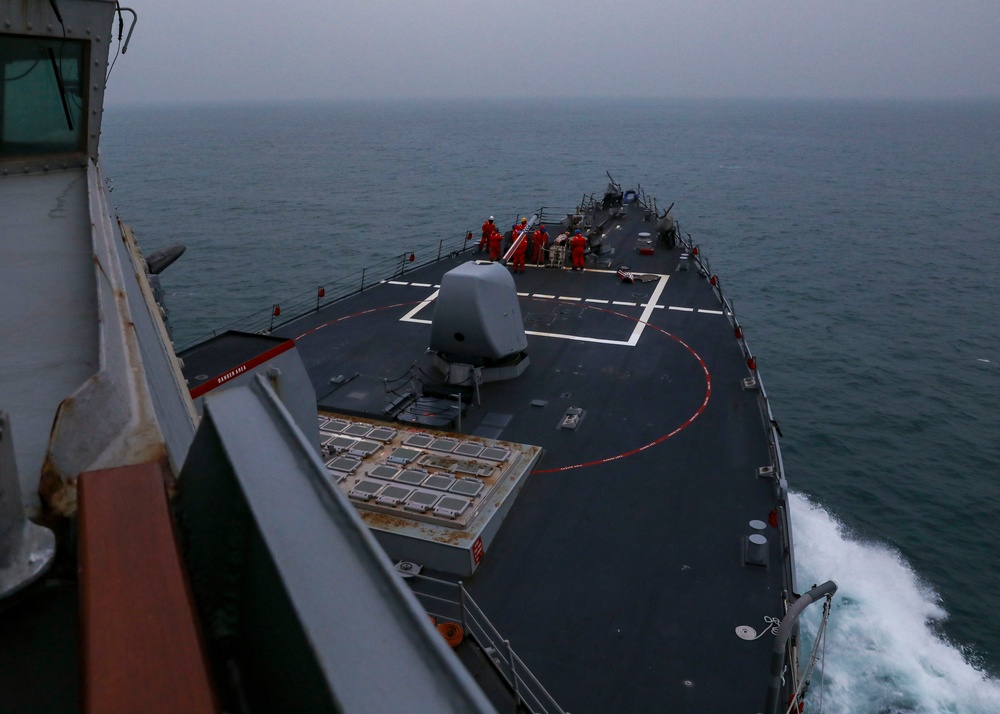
(618, 575)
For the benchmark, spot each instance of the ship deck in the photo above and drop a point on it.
(619, 574)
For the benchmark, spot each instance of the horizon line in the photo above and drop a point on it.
(506, 99)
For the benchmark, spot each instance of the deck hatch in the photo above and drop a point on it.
(418, 441)
(383, 471)
(382, 433)
(414, 477)
(451, 506)
(340, 443)
(365, 490)
(403, 455)
(434, 496)
(469, 448)
(365, 448)
(439, 481)
(346, 464)
(534, 318)
(336, 425)
(467, 487)
(359, 430)
(494, 453)
(392, 494)
(421, 501)
(445, 444)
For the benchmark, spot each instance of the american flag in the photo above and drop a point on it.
(625, 274)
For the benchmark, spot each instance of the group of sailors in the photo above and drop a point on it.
(492, 240)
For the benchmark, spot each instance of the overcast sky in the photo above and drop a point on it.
(327, 49)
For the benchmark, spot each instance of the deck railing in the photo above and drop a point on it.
(295, 306)
(445, 600)
(774, 433)
(337, 288)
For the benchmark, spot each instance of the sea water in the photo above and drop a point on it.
(859, 241)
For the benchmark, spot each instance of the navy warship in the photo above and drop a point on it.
(531, 471)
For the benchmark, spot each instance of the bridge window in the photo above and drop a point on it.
(43, 97)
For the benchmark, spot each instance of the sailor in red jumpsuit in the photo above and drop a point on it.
(538, 240)
(520, 250)
(496, 242)
(577, 247)
(488, 228)
(516, 231)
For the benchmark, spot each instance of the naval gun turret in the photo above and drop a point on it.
(666, 228)
(477, 333)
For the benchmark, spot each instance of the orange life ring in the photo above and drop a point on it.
(452, 633)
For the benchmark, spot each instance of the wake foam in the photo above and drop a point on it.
(883, 655)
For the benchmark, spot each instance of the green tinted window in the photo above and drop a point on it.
(43, 96)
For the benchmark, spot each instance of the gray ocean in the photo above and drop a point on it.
(860, 242)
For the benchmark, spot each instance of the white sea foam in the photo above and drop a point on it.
(882, 654)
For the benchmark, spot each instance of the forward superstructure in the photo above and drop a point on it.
(97, 426)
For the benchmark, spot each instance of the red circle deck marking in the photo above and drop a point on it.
(660, 440)
(356, 314)
(595, 462)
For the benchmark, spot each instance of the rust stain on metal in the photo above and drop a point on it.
(449, 537)
(57, 485)
(382, 520)
(58, 492)
(444, 522)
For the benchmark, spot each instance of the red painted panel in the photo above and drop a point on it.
(141, 647)
(211, 384)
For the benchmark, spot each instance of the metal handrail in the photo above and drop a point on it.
(526, 687)
(764, 404)
(296, 306)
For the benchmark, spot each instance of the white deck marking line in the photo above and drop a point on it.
(631, 342)
(523, 294)
(544, 297)
(658, 307)
(577, 338)
(647, 311)
(711, 312)
(420, 285)
(408, 317)
(682, 309)
(599, 302)
(396, 282)
(567, 297)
